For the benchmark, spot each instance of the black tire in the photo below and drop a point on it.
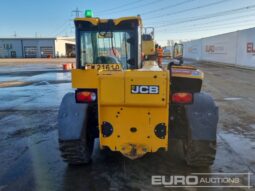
(76, 152)
(199, 153)
(200, 143)
(77, 130)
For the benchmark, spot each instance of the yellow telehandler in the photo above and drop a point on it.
(127, 101)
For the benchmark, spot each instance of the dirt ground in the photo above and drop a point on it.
(30, 160)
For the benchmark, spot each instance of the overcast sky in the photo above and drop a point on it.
(172, 19)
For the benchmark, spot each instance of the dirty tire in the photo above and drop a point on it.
(199, 153)
(76, 152)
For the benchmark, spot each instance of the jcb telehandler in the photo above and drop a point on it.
(133, 106)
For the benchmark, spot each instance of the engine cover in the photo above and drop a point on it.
(134, 108)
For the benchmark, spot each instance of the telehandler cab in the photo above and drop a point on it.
(128, 102)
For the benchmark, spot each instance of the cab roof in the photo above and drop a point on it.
(96, 21)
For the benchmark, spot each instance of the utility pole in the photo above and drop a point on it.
(77, 12)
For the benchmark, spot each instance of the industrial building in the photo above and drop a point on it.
(37, 47)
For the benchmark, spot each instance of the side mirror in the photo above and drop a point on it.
(178, 51)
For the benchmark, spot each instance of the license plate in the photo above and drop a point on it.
(104, 66)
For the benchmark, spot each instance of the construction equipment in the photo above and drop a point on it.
(132, 106)
(178, 53)
(148, 44)
(175, 54)
(160, 55)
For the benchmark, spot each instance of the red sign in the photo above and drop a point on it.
(210, 48)
(250, 47)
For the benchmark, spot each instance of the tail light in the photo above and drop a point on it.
(85, 96)
(183, 98)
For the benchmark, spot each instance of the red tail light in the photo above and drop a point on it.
(184, 98)
(84, 96)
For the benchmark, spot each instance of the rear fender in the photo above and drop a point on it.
(202, 118)
(72, 118)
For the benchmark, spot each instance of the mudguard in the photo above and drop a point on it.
(202, 118)
(72, 118)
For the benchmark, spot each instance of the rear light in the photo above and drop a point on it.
(85, 96)
(183, 98)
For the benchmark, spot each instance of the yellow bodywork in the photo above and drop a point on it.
(133, 105)
(126, 111)
(96, 21)
(148, 47)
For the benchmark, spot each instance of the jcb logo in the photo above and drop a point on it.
(138, 89)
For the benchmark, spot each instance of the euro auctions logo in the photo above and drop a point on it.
(175, 181)
(205, 180)
(250, 47)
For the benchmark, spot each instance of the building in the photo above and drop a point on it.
(37, 47)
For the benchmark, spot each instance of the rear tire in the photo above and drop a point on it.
(199, 153)
(76, 129)
(200, 143)
(76, 152)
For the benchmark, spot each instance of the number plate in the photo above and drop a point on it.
(104, 66)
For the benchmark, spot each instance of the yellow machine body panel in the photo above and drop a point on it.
(135, 104)
(111, 88)
(155, 80)
(97, 21)
(148, 48)
(84, 79)
(133, 143)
